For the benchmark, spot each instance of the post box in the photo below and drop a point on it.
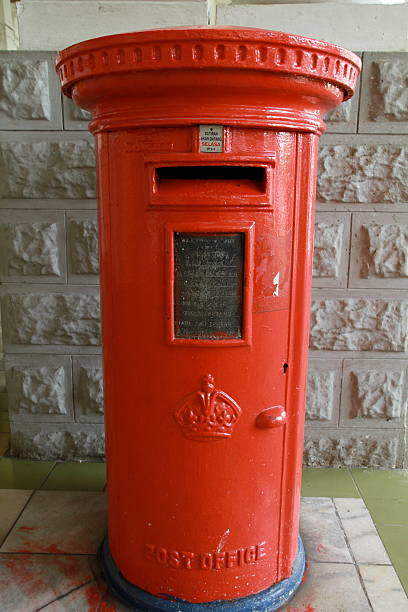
(206, 151)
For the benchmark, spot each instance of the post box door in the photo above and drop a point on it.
(201, 269)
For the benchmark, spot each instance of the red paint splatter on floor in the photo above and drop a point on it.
(34, 576)
(306, 574)
(105, 607)
(95, 596)
(26, 528)
(30, 546)
(23, 551)
(74, 570)
(53, 548)
(321, 548)
(25, 575)
(308, 608)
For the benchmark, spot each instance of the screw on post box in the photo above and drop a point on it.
(206, 153)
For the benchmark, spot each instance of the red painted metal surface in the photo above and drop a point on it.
(205, 434)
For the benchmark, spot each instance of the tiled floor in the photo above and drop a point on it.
(52, 520)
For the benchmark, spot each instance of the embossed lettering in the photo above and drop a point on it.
(232, 558)
(241, 553)
(250, 554)
(260, 551)
(219, 558)
(187, 559)
(206, 561)
(161, 555)
(174, 559)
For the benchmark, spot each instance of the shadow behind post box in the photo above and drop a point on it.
(206, 147)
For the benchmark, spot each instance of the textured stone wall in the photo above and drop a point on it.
(357, 390)
(356, 399)
(48, 265)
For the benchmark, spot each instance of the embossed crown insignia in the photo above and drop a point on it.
(208, 413)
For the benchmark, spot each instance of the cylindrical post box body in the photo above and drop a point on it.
(206, 148)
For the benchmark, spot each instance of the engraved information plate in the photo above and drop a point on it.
(208, 285)
(211, 138)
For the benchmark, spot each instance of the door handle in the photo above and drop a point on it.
(272, 417)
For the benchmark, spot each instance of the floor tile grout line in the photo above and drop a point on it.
(78, 487)
(356, 485)
(354, 563)
(376, 525)
(352, 555)
(350, 473)
(47, 476)
(18, 517)
(393, 563)
(65, 595)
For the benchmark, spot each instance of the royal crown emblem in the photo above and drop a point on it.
(208, 413)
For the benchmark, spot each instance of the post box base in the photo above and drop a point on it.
(138, 600)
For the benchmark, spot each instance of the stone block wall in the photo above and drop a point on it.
(48, 265)
(357, 387)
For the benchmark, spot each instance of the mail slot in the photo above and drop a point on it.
(206, 149)
(218, 180)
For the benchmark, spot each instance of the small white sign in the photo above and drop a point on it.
(211, 138)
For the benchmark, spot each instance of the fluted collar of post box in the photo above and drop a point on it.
(281, 62)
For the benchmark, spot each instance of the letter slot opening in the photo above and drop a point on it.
(210, 180)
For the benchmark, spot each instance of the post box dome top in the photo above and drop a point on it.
(207, 75)
(209, 47)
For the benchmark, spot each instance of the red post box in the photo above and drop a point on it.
(206, 147)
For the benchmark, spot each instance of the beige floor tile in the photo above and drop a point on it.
(321, 531)
(383, 588)
(330, 587)
(60, 522)
(12, 501)
(362, 536)
(28, 582)
(86, 599)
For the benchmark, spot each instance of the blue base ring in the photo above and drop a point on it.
(138, 600)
